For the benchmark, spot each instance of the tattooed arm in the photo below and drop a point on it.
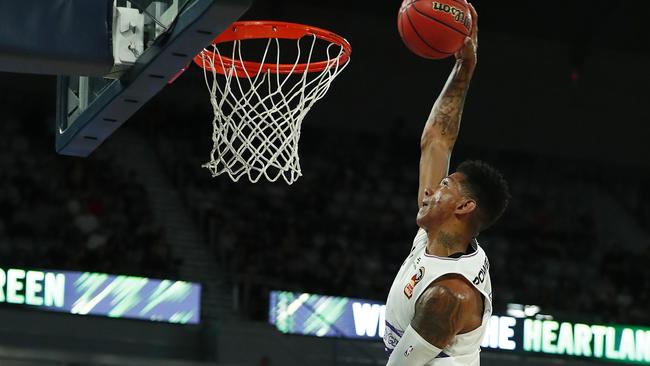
(441, 129)
(446, 308)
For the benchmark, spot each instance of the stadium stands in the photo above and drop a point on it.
(345, 226)
(73, 214)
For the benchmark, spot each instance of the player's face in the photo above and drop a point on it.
(440, 203)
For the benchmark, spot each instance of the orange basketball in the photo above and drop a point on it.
(434, 29)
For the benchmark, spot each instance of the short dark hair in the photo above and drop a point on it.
(486, 185)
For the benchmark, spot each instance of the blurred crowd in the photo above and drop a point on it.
(342, 229)
(66, 213)
(345, 226)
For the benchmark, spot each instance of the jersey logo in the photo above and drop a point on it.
(390, 339)
(408, 351)
(408, 289)
(416, 262)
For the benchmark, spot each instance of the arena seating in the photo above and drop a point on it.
(340, 230)
(345, 226)
(68, 213)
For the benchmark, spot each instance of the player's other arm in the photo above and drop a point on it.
(441, 130)
(442, 311)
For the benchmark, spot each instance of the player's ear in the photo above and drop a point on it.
(466, 206)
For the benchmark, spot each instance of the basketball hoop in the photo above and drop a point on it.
(259, 105)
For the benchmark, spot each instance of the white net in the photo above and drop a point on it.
(258, 115)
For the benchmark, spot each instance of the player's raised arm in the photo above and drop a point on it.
(441, 129)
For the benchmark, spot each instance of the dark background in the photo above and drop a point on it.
(560, 78)
(559, 103)
(565, 79)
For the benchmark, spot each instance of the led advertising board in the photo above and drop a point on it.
(331, 316)
(86, 293)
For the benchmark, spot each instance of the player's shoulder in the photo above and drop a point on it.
(420, 236)
(450, 285)
(419, 239)
(420, 233)
(440, 310)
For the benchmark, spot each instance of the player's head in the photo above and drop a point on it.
(486, 186)
(476, 195)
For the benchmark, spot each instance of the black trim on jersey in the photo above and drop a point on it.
(471, 248)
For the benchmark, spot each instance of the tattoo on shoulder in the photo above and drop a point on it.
(437, 315)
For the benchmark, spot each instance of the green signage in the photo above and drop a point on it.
(612, 343)
(36, 288)
(309, 314)
(87, 293)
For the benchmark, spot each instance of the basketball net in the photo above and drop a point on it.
(258, 111)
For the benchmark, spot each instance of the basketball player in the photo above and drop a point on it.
(441, 299)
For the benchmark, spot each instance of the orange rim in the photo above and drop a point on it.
(271, 29)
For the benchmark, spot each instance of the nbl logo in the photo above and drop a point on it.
(458, 14)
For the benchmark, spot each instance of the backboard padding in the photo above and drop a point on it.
(196, 26)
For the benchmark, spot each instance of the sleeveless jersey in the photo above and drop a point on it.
(418, 271)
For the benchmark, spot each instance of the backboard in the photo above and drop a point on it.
(152, 43)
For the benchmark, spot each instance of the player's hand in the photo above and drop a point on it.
(467, 54)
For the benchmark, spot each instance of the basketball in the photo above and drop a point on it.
(434, 29)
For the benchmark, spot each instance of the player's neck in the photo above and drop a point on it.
(445, 242)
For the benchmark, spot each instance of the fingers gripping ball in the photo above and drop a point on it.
(434, 29)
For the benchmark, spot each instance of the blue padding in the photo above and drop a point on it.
(194, 28)
(59, 37)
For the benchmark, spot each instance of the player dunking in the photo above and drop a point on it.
(441, 298)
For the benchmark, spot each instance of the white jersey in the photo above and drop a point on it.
(418, 271)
